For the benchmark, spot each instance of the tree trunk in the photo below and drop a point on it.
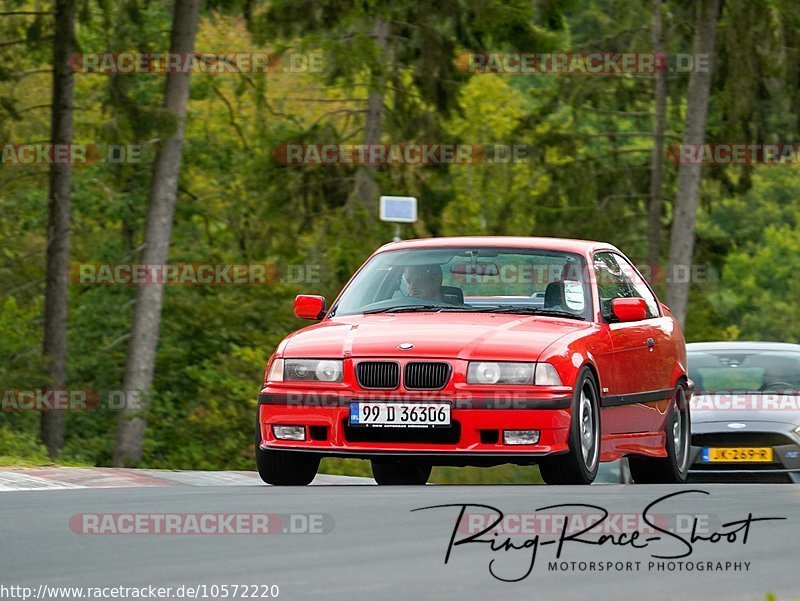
(365, 192)
(681, 244)
(58, 226)
(140, 365)
(656, 161)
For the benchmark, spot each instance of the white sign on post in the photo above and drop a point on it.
(399, 209)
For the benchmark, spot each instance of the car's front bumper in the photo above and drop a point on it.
(780, 437)
(476, 431)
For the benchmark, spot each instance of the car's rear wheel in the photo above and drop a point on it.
(285, 468)
(579, 464)
(398, 472)
(674, 467)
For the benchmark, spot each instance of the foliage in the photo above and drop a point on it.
(585, 174)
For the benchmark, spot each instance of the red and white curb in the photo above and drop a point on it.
(61, 478)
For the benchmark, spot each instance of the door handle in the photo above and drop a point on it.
(650, 343)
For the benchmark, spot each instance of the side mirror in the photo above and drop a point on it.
(309, 306)
(629, 309)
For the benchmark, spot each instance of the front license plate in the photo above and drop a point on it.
(737, 455)
(404, 415)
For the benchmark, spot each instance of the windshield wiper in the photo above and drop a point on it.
(405, 309)
(531, 311)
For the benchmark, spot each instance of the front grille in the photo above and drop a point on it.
(741, 439)
(378, 374)
(426, 376)
(721, 475)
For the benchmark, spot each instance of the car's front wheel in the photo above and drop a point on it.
(285, 468)
(398, 472)
(579, 464)
(674, 467)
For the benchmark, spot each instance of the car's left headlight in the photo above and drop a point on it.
(306, 370)
(507, 372)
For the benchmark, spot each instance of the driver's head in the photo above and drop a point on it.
(424, 281)
(773, 374)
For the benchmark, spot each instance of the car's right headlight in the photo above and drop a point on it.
(512, 372)
(275, 371)
(306, 370)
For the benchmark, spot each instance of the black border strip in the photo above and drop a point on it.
(635, 398)
(502, 457)
(724, 472)
(313, 399)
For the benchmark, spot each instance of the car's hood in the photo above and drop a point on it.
(775, 407)
(453, 335)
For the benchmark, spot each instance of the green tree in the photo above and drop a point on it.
(158, 230)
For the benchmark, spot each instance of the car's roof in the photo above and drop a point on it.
(743, 345)
(559, 244)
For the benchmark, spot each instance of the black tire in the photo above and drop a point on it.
(673, 468)
(579, 465)
(397, 472)
(285, 468)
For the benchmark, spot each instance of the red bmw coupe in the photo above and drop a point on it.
(481, 351)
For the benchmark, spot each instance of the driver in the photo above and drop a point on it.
(774, 378)
(424, 281)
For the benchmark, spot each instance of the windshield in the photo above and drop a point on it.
(750, 371)
(470, 280)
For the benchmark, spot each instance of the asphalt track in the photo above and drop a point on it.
(372, 546)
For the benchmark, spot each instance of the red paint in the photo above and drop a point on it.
(630, 356)
(629, 309)
(309, 306)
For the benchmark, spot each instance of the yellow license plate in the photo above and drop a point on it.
(737, 455)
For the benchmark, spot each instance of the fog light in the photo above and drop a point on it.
(290, 432)
(520, 436)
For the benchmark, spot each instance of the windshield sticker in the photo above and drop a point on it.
(573, 295)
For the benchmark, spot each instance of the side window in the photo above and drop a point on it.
(640, 288)
(611, 282)
(616, 278)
